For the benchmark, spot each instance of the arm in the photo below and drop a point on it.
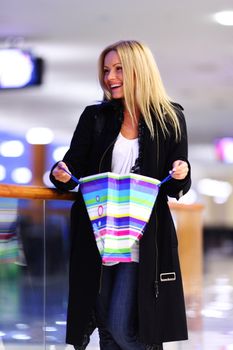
(178, 162)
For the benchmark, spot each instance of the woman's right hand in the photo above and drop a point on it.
(60, 174)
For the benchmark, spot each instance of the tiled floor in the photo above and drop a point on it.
(210, 313)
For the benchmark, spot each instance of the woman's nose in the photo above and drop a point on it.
(111, 75)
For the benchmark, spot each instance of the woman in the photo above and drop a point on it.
(136, 305)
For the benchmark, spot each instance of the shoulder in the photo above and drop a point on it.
(95, 116)
(105, 110)
(177, 106)
(180, 122)
(91, 113)
(92, 109)
(179, 110)
(101, 107)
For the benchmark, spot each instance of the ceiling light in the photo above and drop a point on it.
(50, 329)
(21, 336)
(215, 188)
(21, 175)
(210, 312)
(224, 17)
(12, 148)
(61, 323)
(39, 136)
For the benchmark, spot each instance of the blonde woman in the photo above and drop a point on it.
(136, 128)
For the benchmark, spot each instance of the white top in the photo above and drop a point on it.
(124, 155)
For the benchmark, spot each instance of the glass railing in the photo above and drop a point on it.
(34, 245)
(34, 249)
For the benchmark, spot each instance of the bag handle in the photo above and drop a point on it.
(167, 178)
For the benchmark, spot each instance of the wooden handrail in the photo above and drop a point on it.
(35, 192)
(182, 206)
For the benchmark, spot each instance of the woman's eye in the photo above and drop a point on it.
(119, 68)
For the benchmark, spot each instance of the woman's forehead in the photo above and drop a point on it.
(111, 58)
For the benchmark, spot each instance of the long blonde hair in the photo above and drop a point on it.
(143, 87)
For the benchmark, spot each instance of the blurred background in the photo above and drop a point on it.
(48, 74)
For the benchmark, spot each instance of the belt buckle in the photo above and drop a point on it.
(167, 276)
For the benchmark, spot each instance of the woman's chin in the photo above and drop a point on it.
(117, 96)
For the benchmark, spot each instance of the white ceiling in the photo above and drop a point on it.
(194, 54)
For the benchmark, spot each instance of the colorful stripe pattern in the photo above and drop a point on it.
(8, 238)
(119, 207)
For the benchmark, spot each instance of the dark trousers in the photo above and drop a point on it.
(116, 308)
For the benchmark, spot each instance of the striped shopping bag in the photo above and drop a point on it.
(119, 207)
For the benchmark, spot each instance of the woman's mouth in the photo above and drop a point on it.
(115, 86)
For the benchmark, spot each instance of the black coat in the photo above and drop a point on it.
(161, 307)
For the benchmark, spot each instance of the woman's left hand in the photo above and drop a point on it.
(179, 169)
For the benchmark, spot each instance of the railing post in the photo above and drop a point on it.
(38, 157)
(189, 222)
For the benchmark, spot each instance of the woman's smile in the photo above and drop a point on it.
(113, 75)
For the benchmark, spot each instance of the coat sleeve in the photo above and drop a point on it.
(178, 150)
(76, 157)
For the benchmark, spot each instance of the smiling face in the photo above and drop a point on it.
(113, 75)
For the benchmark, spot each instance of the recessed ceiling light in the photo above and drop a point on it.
(224, 17)
(21, 175)
(39, 136)
(13, 148)
(21, 336)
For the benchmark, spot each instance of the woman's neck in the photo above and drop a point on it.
(129, 127)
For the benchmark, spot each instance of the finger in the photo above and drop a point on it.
(60, 175)
(62, 165)
(180, 170)
(177, 164)
(179, 175)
